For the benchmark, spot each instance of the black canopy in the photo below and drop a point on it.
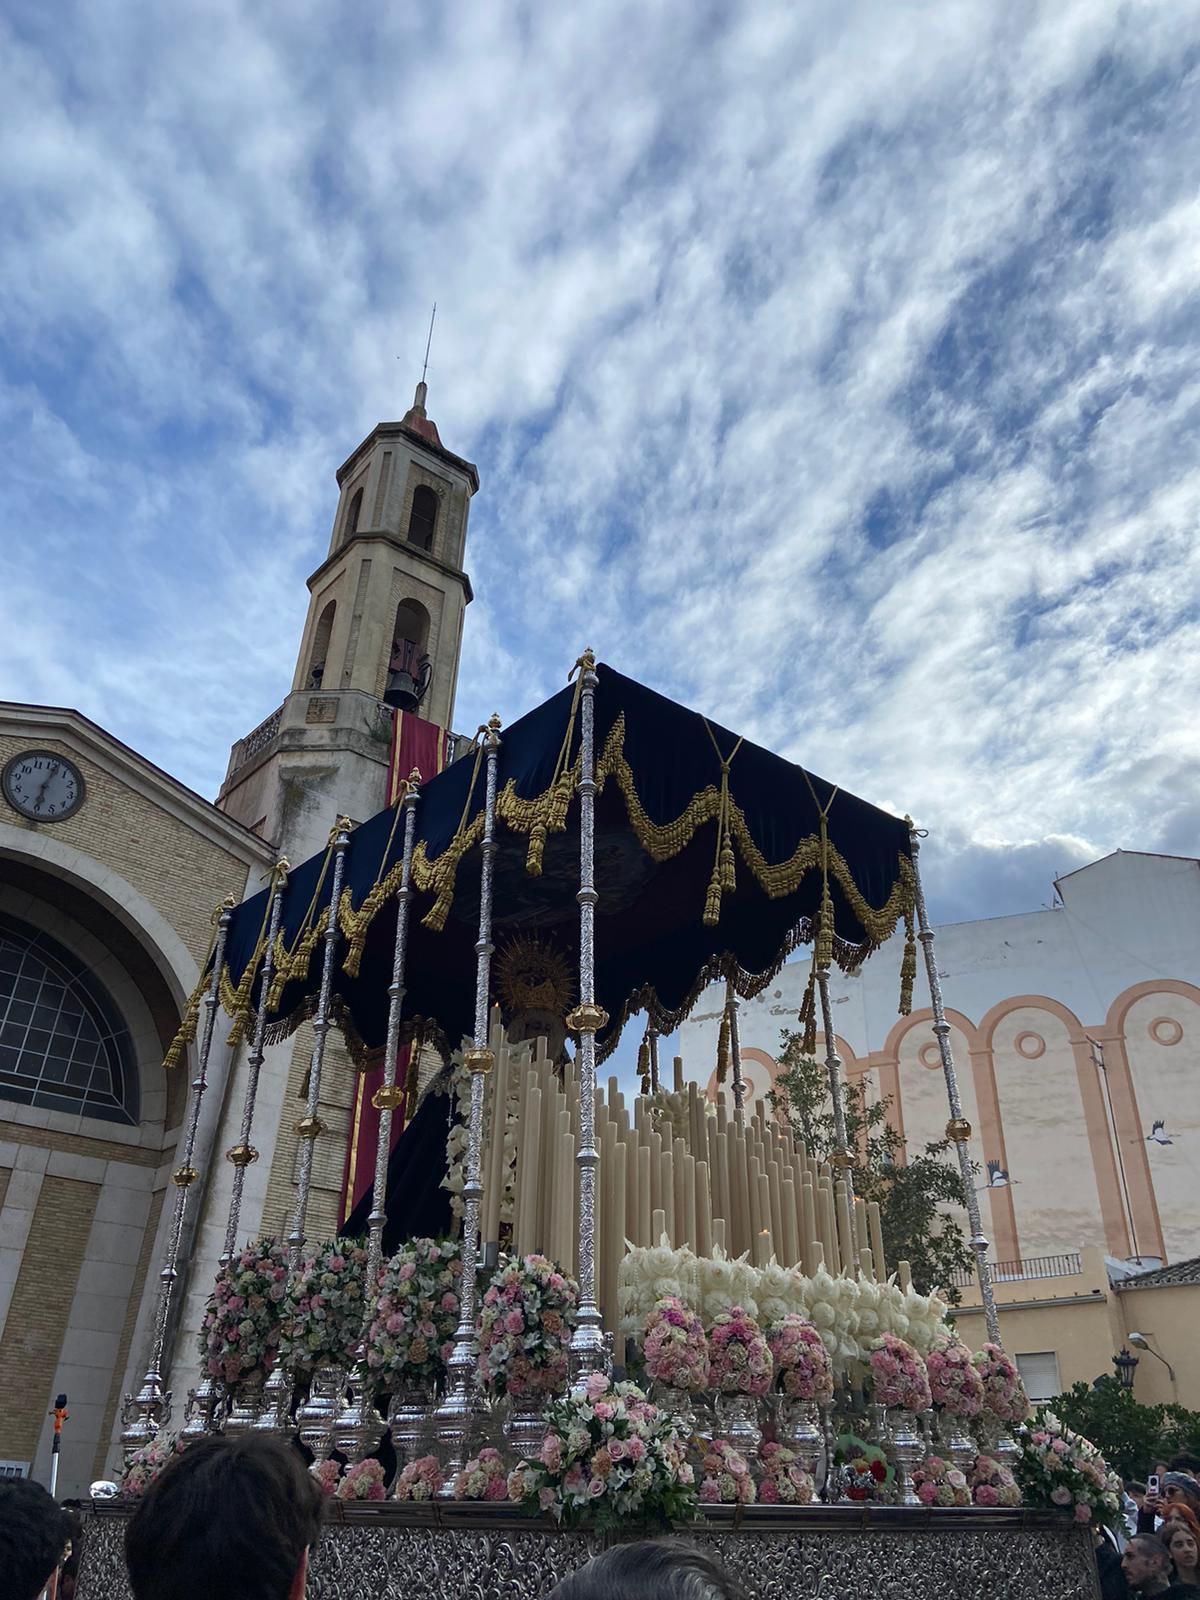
(713, 858)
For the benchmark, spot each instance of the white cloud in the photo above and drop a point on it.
(831, 367)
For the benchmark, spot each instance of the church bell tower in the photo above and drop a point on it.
(383, 633)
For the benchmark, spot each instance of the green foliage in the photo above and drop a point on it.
(912, 1190)
(1133, 1438)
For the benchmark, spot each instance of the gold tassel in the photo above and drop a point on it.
(643, 1065)
(186, 1033)
(728, 870)
(808, 1017)
(823, 948)
(723, 1043)
(908, 967)
(712, 900)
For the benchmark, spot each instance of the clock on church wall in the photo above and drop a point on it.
(43, 786)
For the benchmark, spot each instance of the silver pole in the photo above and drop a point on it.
(243, 1153)
(841, 1159)
(146, 1412)
(387, 1097)
(310, 1127)
(958, 1129)
(458, 1417)
(588, 1352)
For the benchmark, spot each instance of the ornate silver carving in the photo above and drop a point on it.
(316, 1417)
(797, 1427)
(392, 1552)
(458, 1420)
(245, 1407)
(321, 1027)
(941, 1029)
(410, 1417)
(149, 1410)
(275, 1415)
(907, 1452)
(587, 1341)
(202, 1413)
(254, 1060)
(956, 1443)
(525, 1424)
(737, 1422)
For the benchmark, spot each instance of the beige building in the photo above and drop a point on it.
(109, 870)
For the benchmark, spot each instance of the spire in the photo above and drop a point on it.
(417, 420)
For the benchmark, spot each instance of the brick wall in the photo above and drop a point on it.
(37, 1317)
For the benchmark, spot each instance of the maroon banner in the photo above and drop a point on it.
(415, 743)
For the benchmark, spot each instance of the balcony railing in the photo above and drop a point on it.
(1062, 1266)
(257, 740)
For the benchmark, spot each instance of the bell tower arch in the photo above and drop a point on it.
(383, 632)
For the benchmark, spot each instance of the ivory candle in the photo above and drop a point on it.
(905, 1272)
(678, 1074)
(764, 1209)
(861, 1238)
(616, 1248)
(656, 1173)
(704, 1216)
(496, 1166)
(530, 1240)
(875, 1230)
(719, 1237)
(791, 1224)
(668, 1194)
(689, 1200)
(776, 1197)
(845, 1227)
(645, 1227)
(658, 1224)
(678, 1152)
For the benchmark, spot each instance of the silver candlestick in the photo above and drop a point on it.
(459, 1418)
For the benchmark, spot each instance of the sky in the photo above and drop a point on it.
(830, 367)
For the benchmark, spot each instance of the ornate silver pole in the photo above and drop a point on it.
(841, 1159)
(388, 1096)
(958, 1129)
(588, 1353)
(146, 1412)
(243, 1153)
(735, 1053)
(310, 1127)
(458, 1418)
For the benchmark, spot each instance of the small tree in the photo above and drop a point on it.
(912, 1192)
(1132, 1437)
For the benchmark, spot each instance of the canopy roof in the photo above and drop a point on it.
(714, 858)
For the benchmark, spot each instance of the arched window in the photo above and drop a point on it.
(320, 647)
(353, 512)
(423, 520)
(408, 663)
(63, 1043)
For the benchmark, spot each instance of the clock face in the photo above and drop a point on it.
(43, 786)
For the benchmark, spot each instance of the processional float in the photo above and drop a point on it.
(640, 852)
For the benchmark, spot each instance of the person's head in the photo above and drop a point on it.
(1186, 1461)
(69, 1572)
(227, 1516)
(1182, 1539)
(1146, 1561)
(33, 1536)
(1181, 1487)
(1136, 1491)
(651, 1569)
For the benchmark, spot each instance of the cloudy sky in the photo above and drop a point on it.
(832, 367)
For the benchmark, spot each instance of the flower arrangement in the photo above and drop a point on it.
(363, 1481)
(1003, 1390)
(675, 1350)
(898, 1374)
(327, 1473)
(739, 1358)
(992, 1483)
(414, 1313)
(420, 1480)
(651, 1273)
(148, 1462)
(939, 1483)
(525, 1328)
(239, 1337)
(485, 1477)
(323, 1312)
(954, 1381)
(1056, 1467)
(803, 1370)
(608, 1457)
(863, 1476)
(784, 1481)
(726, 1477)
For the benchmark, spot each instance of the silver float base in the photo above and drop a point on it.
(392, 1552)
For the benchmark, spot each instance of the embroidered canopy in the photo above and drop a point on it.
(714, 858)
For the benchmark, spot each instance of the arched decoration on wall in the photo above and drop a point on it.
(64, 1045)
(353, 514)
(319, 654)
(422, 521)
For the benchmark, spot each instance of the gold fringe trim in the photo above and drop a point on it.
(723, 1047)
(908, 967)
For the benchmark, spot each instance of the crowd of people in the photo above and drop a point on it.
(238, 1517)
(1161, 1553)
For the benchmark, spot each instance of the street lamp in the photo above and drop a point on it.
(1126, 1366)
(1140, 1342)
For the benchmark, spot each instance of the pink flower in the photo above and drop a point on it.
(986, 1495)
(1061, 1495)
(927, 1494)
(1083, 1513)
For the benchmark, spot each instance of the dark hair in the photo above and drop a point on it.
(1152, 1545)
(1185, 1462)
(1134, 1486)
(33, 1536)
(228, 1516)
(652, 1569)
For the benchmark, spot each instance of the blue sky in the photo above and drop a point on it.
(831, 367)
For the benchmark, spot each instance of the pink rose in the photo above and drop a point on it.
(1061, 1495)
(986, 1495)
(1083, 1513)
